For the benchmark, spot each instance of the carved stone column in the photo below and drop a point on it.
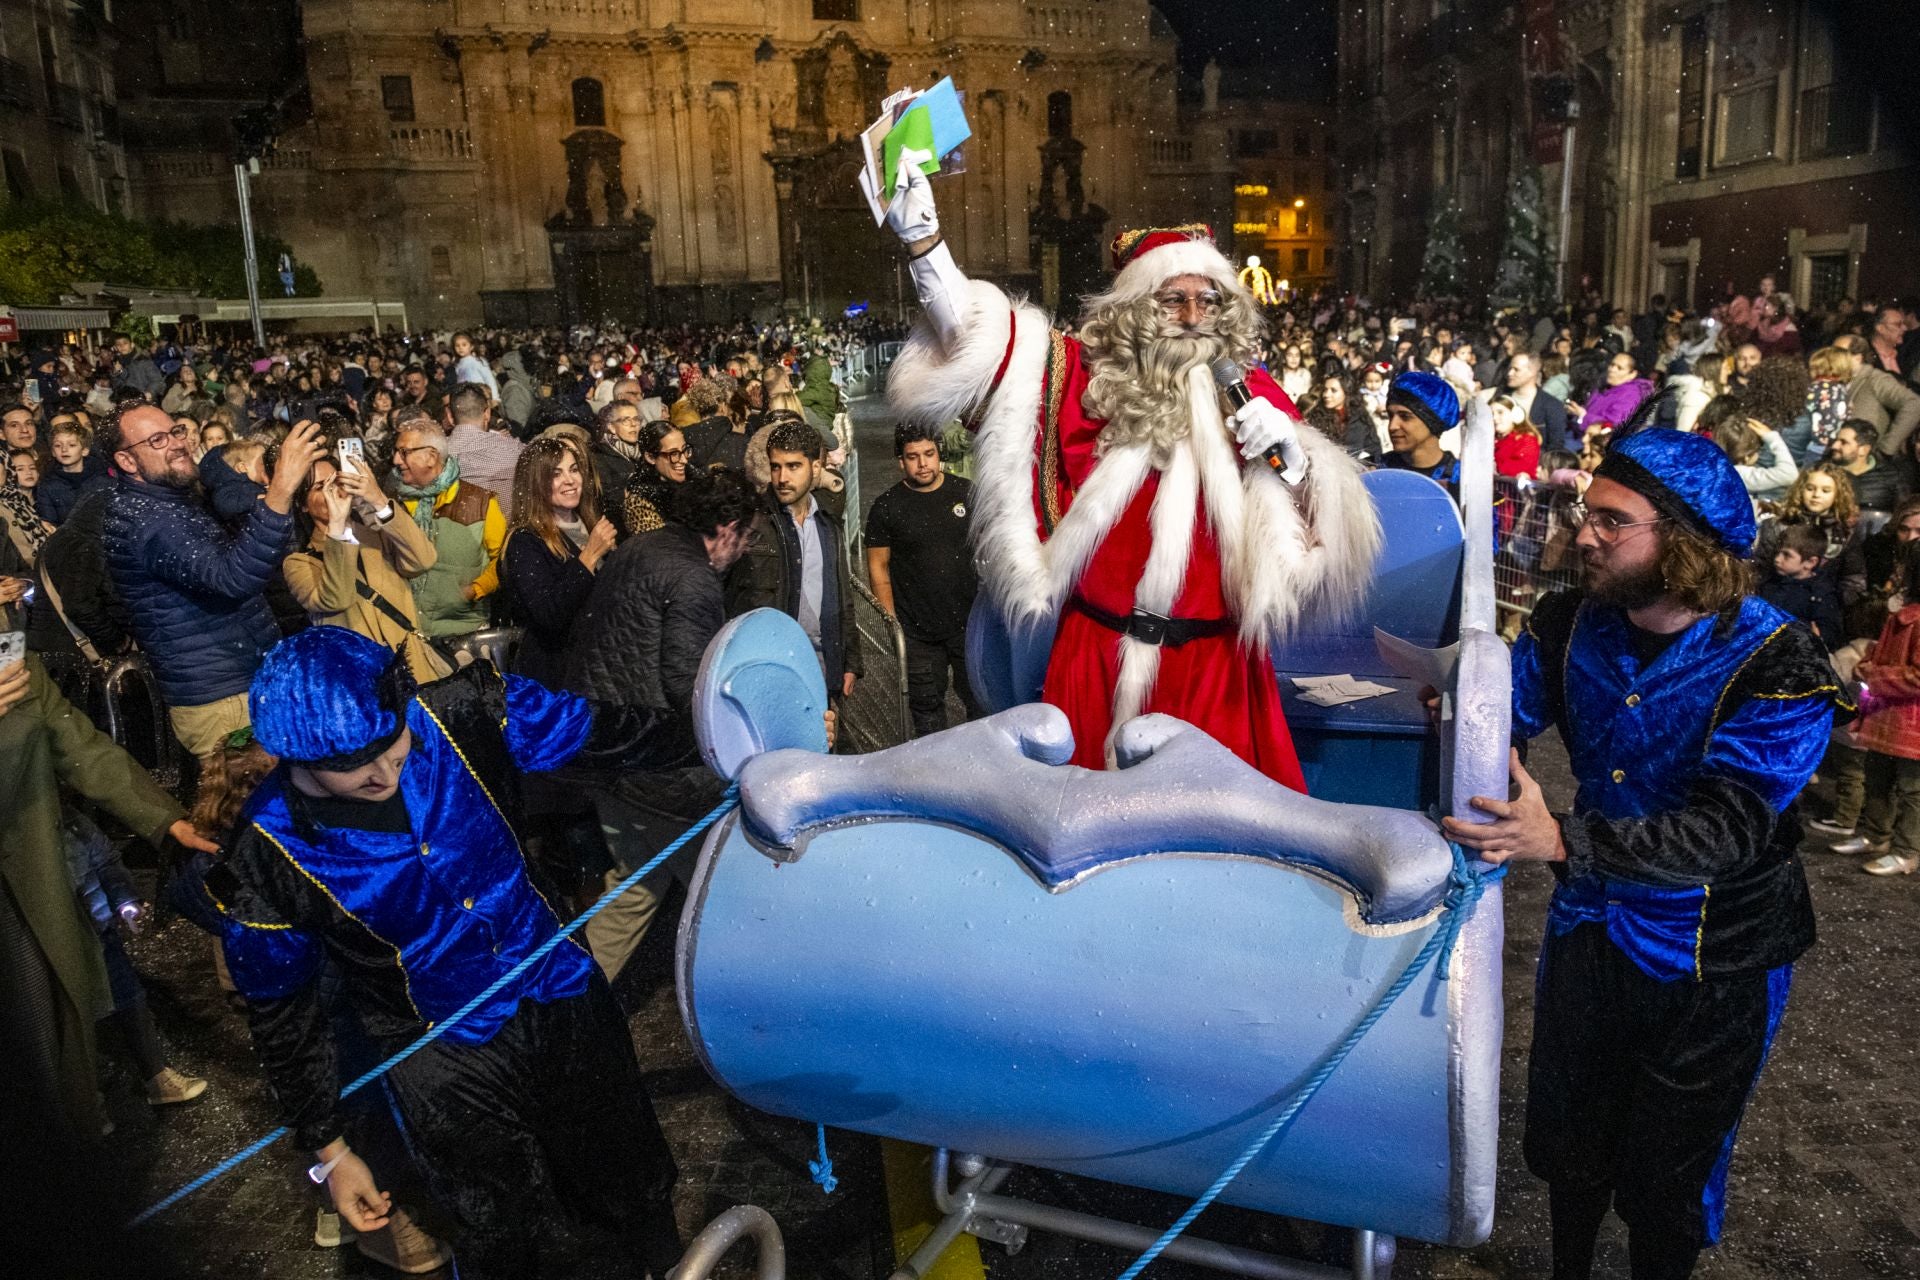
(785, 172)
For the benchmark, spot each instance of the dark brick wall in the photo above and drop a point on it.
(1744, 235)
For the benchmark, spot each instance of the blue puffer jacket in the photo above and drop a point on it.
(195, 591)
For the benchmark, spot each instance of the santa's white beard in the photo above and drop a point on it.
(1141, 365)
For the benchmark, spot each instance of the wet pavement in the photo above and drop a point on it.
(1820, 1182)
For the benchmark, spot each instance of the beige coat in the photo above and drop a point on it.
(326, 580)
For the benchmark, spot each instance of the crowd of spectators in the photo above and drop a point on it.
(1818, 411)
(606, 499)
(615, 497)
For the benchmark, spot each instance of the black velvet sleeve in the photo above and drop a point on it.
(1723, 829)
(294, 1042)
(274, 954)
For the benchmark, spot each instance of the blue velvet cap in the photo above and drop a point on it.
(329, 698)
(1430, 397)
(1688, 478)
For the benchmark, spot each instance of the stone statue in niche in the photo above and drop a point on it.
(842, 105)
(589, 150)
(720, 139)
(726, 217)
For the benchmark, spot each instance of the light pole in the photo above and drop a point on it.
(242, 172)
(253, 131)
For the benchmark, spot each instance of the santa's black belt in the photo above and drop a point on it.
(1152, 628)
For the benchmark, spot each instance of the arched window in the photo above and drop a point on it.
(1060, 114)
(589, 104)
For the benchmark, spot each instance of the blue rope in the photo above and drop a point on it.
(822, 1169)
(1465, 885)
(538, 954)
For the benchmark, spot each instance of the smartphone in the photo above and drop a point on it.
(353, 454)
(13, 648)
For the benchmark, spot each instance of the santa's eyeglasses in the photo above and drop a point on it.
(1173, 302)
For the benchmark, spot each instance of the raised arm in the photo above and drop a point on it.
(938, 281)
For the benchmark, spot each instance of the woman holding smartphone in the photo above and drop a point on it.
(358, 558)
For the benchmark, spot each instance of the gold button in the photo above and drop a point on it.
(468, 904)
(1633, 699)
(1619, 775)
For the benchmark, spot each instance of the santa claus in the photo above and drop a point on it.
(1171, 539)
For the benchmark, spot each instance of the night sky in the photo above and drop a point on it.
(1293, 40)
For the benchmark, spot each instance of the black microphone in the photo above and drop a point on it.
(1233, 382)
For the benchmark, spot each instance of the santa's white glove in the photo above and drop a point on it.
(912, 214)
(937, 279)
(1260, 427)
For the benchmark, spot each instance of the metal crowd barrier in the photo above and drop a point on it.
(896, 643)
(496, 644)
(127, 686)
(1533, 529)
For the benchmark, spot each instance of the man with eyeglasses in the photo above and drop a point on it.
(1163, 529)
(1693, 715)
(194, 592)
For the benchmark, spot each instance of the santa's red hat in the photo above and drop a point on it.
(1147, 257)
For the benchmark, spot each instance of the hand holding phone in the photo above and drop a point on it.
(352, 452)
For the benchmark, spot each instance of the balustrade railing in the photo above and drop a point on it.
(427, 142)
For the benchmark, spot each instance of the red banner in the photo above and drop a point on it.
(1541, 63)
(9, 329)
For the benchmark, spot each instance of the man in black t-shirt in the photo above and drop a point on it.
(922, 572)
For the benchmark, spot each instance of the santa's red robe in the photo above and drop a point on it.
(1205, 537)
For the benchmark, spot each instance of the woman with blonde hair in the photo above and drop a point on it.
(780, 393)
(554, 547)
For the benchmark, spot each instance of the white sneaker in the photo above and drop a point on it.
(330, 1231)
(1891, 864)
(1831, 830)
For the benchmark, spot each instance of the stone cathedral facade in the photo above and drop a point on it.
(539, 161)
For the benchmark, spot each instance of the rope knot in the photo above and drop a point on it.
(822, 1169)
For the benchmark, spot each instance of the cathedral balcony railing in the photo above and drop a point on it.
(1067, 21)
(283, 157)
(581, 11)
(429, 144)
(183, 166)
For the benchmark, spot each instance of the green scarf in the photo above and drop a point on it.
(429, 494)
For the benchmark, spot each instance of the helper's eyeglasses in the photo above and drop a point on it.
(1606, 526)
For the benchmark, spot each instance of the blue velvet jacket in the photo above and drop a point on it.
(1683, 836)
(417, 922)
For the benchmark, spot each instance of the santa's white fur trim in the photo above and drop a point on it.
(1171, 520)
(1312, 546)
(933, 384)
(1147, 272)
(1029, 579)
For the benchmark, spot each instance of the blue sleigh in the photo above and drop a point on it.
(965, 943)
